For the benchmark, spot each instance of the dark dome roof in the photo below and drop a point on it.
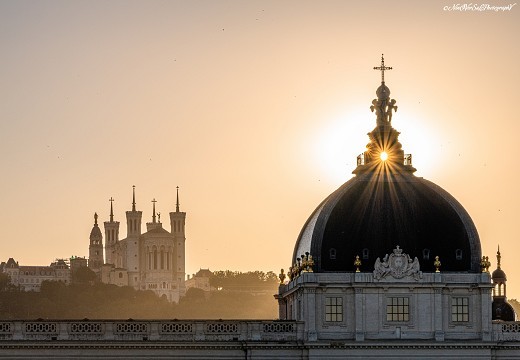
(498, 274)
(386, 206)
(370, 215)
(502, 310)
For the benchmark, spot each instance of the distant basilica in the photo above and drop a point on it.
(154, 260)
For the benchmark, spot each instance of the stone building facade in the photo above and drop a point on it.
(30, 278)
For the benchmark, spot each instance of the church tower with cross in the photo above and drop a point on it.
(111, 235)
(178, 222)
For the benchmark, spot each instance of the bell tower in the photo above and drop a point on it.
(111, 235)
(178, 221)
(95, 249)
(133, 226)
(133, 219)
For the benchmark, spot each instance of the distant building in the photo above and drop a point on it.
(153, 260)
(200, 280)
(77, 262)
(30, 278)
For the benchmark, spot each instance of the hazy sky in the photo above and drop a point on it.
(255, 109)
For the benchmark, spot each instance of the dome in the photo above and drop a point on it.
(384, 207)
(498, 274)
(95, 233)
(369, 216)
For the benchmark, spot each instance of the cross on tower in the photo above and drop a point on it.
(111, 209)
(382, 68)
(153, 216)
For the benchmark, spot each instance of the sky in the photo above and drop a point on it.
(255, 109)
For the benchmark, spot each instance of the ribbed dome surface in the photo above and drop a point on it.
(370, 215)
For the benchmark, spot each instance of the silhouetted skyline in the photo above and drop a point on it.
(256, 110)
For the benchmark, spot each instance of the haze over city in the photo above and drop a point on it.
(256, 110)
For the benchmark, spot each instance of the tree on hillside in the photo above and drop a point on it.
(83, 275)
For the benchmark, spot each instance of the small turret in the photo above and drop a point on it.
(501, 309)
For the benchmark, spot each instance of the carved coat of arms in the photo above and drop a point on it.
(397, 265)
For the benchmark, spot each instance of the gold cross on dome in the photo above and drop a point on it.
(382, 68)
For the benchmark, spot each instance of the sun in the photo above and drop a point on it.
(384, 156)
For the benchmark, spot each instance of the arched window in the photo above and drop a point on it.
(426, 254)
(167, 260)
(332, 254)
(458, 254)
(162, 258)
(120, 275)
(155, 259)
(366, 252)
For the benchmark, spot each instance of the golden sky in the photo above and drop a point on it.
(255, 109)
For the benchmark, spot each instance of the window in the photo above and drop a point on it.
(397, 309)
(459, 309)
(333, 309)
(332, 254)
(458, 254)
(426, 254)
(120, 275)
(366, 252)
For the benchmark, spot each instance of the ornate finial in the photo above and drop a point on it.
(95, 219)
(383, 105)
(485, 264)
(133, 198)
(437, 264)
(357, 263)
(111, 210)
(177, 204)
(382, 68)
(153, 212)
(498, 257)
(281, 277)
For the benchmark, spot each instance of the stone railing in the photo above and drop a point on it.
(506, 330)
(153, 330)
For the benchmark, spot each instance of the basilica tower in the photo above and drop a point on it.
(111, 235)
(95, 249)
(133, 226)
(178, 221)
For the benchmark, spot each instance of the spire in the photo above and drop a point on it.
(498, 257)
(153, 212)
(95, 219)
(111, 209)
(177, 204)
(133, 198)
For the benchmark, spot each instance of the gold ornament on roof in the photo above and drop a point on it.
(281, 277)
(437, 264)
(357, 263)
(485, 264)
